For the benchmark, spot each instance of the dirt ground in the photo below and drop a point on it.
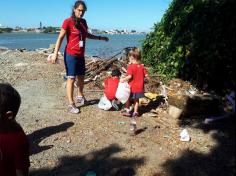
(98, 141)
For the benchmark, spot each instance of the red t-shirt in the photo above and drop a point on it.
(137, 73)
(111, 85)
(74, 36)
(14, 153)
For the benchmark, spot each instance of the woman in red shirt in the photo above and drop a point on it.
(76, 30)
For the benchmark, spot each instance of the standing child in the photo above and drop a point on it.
(14, 146)
(136, 72)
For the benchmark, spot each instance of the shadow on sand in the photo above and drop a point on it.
(37, 136)
(103, 162)
(220, 161)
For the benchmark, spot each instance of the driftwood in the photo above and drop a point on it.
(96, 67)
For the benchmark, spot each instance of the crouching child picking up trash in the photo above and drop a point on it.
(110, 87)
(136, 73)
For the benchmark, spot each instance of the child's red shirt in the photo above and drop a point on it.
(137, 73)
(14, 152)
(111, 85)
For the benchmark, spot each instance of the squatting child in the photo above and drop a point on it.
(110, 87)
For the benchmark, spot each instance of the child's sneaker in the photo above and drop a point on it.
(81, 100)
(133, 125)
(114, 105)
(126, 112)
(73, 109)
(135, 115)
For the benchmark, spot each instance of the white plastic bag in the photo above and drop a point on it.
(123, 92)
(104, 103)
(184, 136)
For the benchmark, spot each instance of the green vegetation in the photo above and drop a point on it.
(50, 29)
(5, 30)
(195, 41)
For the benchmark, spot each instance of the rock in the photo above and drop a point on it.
(52, 46)
(174, 112)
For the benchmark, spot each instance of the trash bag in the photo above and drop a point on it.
(123, 92)
(184, 136)
(104, 103)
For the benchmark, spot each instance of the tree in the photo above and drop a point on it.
(194, 41)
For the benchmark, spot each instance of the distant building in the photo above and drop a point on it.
(94, 31)
(40, 25)
(1, 26)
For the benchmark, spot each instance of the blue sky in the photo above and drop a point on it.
(102, 14)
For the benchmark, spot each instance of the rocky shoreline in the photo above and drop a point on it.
(100, 141)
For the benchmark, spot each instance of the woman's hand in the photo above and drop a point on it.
(53, 58)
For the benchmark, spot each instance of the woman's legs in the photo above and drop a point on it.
(72, 64)
(70, 90)
(80, 83)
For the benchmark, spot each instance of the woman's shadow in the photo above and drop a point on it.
(37, 136)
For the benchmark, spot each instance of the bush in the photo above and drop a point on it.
(194, 41)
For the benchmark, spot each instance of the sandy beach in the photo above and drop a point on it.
(64, 144)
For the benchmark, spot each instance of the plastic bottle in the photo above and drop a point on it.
(133, 125)
(184, 136)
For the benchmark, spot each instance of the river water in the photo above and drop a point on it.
(32, 41)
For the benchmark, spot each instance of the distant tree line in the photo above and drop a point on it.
(44, 29)
(5, 30)
(50, 29)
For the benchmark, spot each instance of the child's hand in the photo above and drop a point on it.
(146, 80)
(126, 79)
(122, 80)
(124, 69)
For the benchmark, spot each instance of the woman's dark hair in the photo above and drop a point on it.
(10, 99)
(76, 5)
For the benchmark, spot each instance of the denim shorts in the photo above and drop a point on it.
(136, 95)
(75, 66)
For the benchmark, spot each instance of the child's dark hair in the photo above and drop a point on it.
(10, 100)
(116, 72)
